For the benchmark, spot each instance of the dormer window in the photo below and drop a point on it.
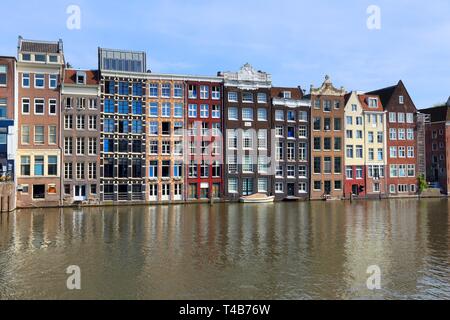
(373, 102)
(39, 58)
(287, 95)
(53, 59)
(26, 57)
(401, 100)
(81, 78)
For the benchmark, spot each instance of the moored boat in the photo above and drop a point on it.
(258, 198)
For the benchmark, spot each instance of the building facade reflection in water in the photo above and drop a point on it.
(305, 250)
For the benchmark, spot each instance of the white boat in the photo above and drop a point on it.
(258, 198)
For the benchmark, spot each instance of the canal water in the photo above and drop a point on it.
(317, 250)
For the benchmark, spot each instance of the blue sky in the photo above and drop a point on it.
(297, 41)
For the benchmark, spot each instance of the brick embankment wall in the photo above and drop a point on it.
(7, 197)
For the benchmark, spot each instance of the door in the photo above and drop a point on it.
(247, 187)
(355, 189)
(328, 187)
(291, 190)
(80, 193)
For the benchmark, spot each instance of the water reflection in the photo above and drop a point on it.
(317, 250)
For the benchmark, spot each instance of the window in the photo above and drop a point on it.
(262, 139)
(291, 151)
(165, 90)
(262, 164)
(136, 107)
(25, 80)
(52, 106)
(359, 152)
(80, 171)
(401, 134)
(204, 92)
(262, 98)
(80, 146)
(411, 170)
(370, 137)
(68, 170)
(92, 170)
(247, 140)
(290, 171)
(371, 154)
(25, 106)
(39, 135)
(92, 146)
(400, 117)
(80, 123)
(317, 124)
(247, 114)
(232, 185)
(153, 169)
(153, 90)
(247, 164)
(279, 187)
(337, 165)
(337, 144)
(232, 139)
(327, 144)
(39, 81)
(52, 167)
(53, 83)
(136, 127)
(327, 124)
(165, 110)
(68, 144)
(380, 137)
(291, 116)
(109, 106)
(192, 111)
(25, 165)
(38, 165)
(137, 89)
(216, 92)
(92, 122)
(349, 172)
(317, 165)
(349, 151)
(303, 116)
(204, 111)
(359, 172)
(51, 134)
(302, 132)
(108, 125)
(39, 106)
(123, 88)
(392, 117)
(337, 124)
(392, 134)
(349, 120)
(262, 114)
(279, 156)
(410, 152)
(410, 134)
(327, 106)
(380, 154)
(279, 115)
(178, 110)
(247, 97)
(410, 118)
(302, 151)
(393, 152)
(401, 100)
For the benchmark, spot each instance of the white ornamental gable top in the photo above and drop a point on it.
(327, 89)
(247, 75)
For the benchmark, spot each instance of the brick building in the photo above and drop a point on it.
(402, 140)
(80, 111)
(438, 146)
(123, 138)
(8, 142)
(204, 148)
(327, 141)
(290, 120)
(39, 68)
(247, 127)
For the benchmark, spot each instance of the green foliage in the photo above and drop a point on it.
(422, 183)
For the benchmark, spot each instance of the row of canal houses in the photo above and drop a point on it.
(123, 134)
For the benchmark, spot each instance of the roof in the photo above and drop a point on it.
(40, 46)
(438, 114)
(364, 99)
(91, 77)
(296, 93)
(384, 94)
